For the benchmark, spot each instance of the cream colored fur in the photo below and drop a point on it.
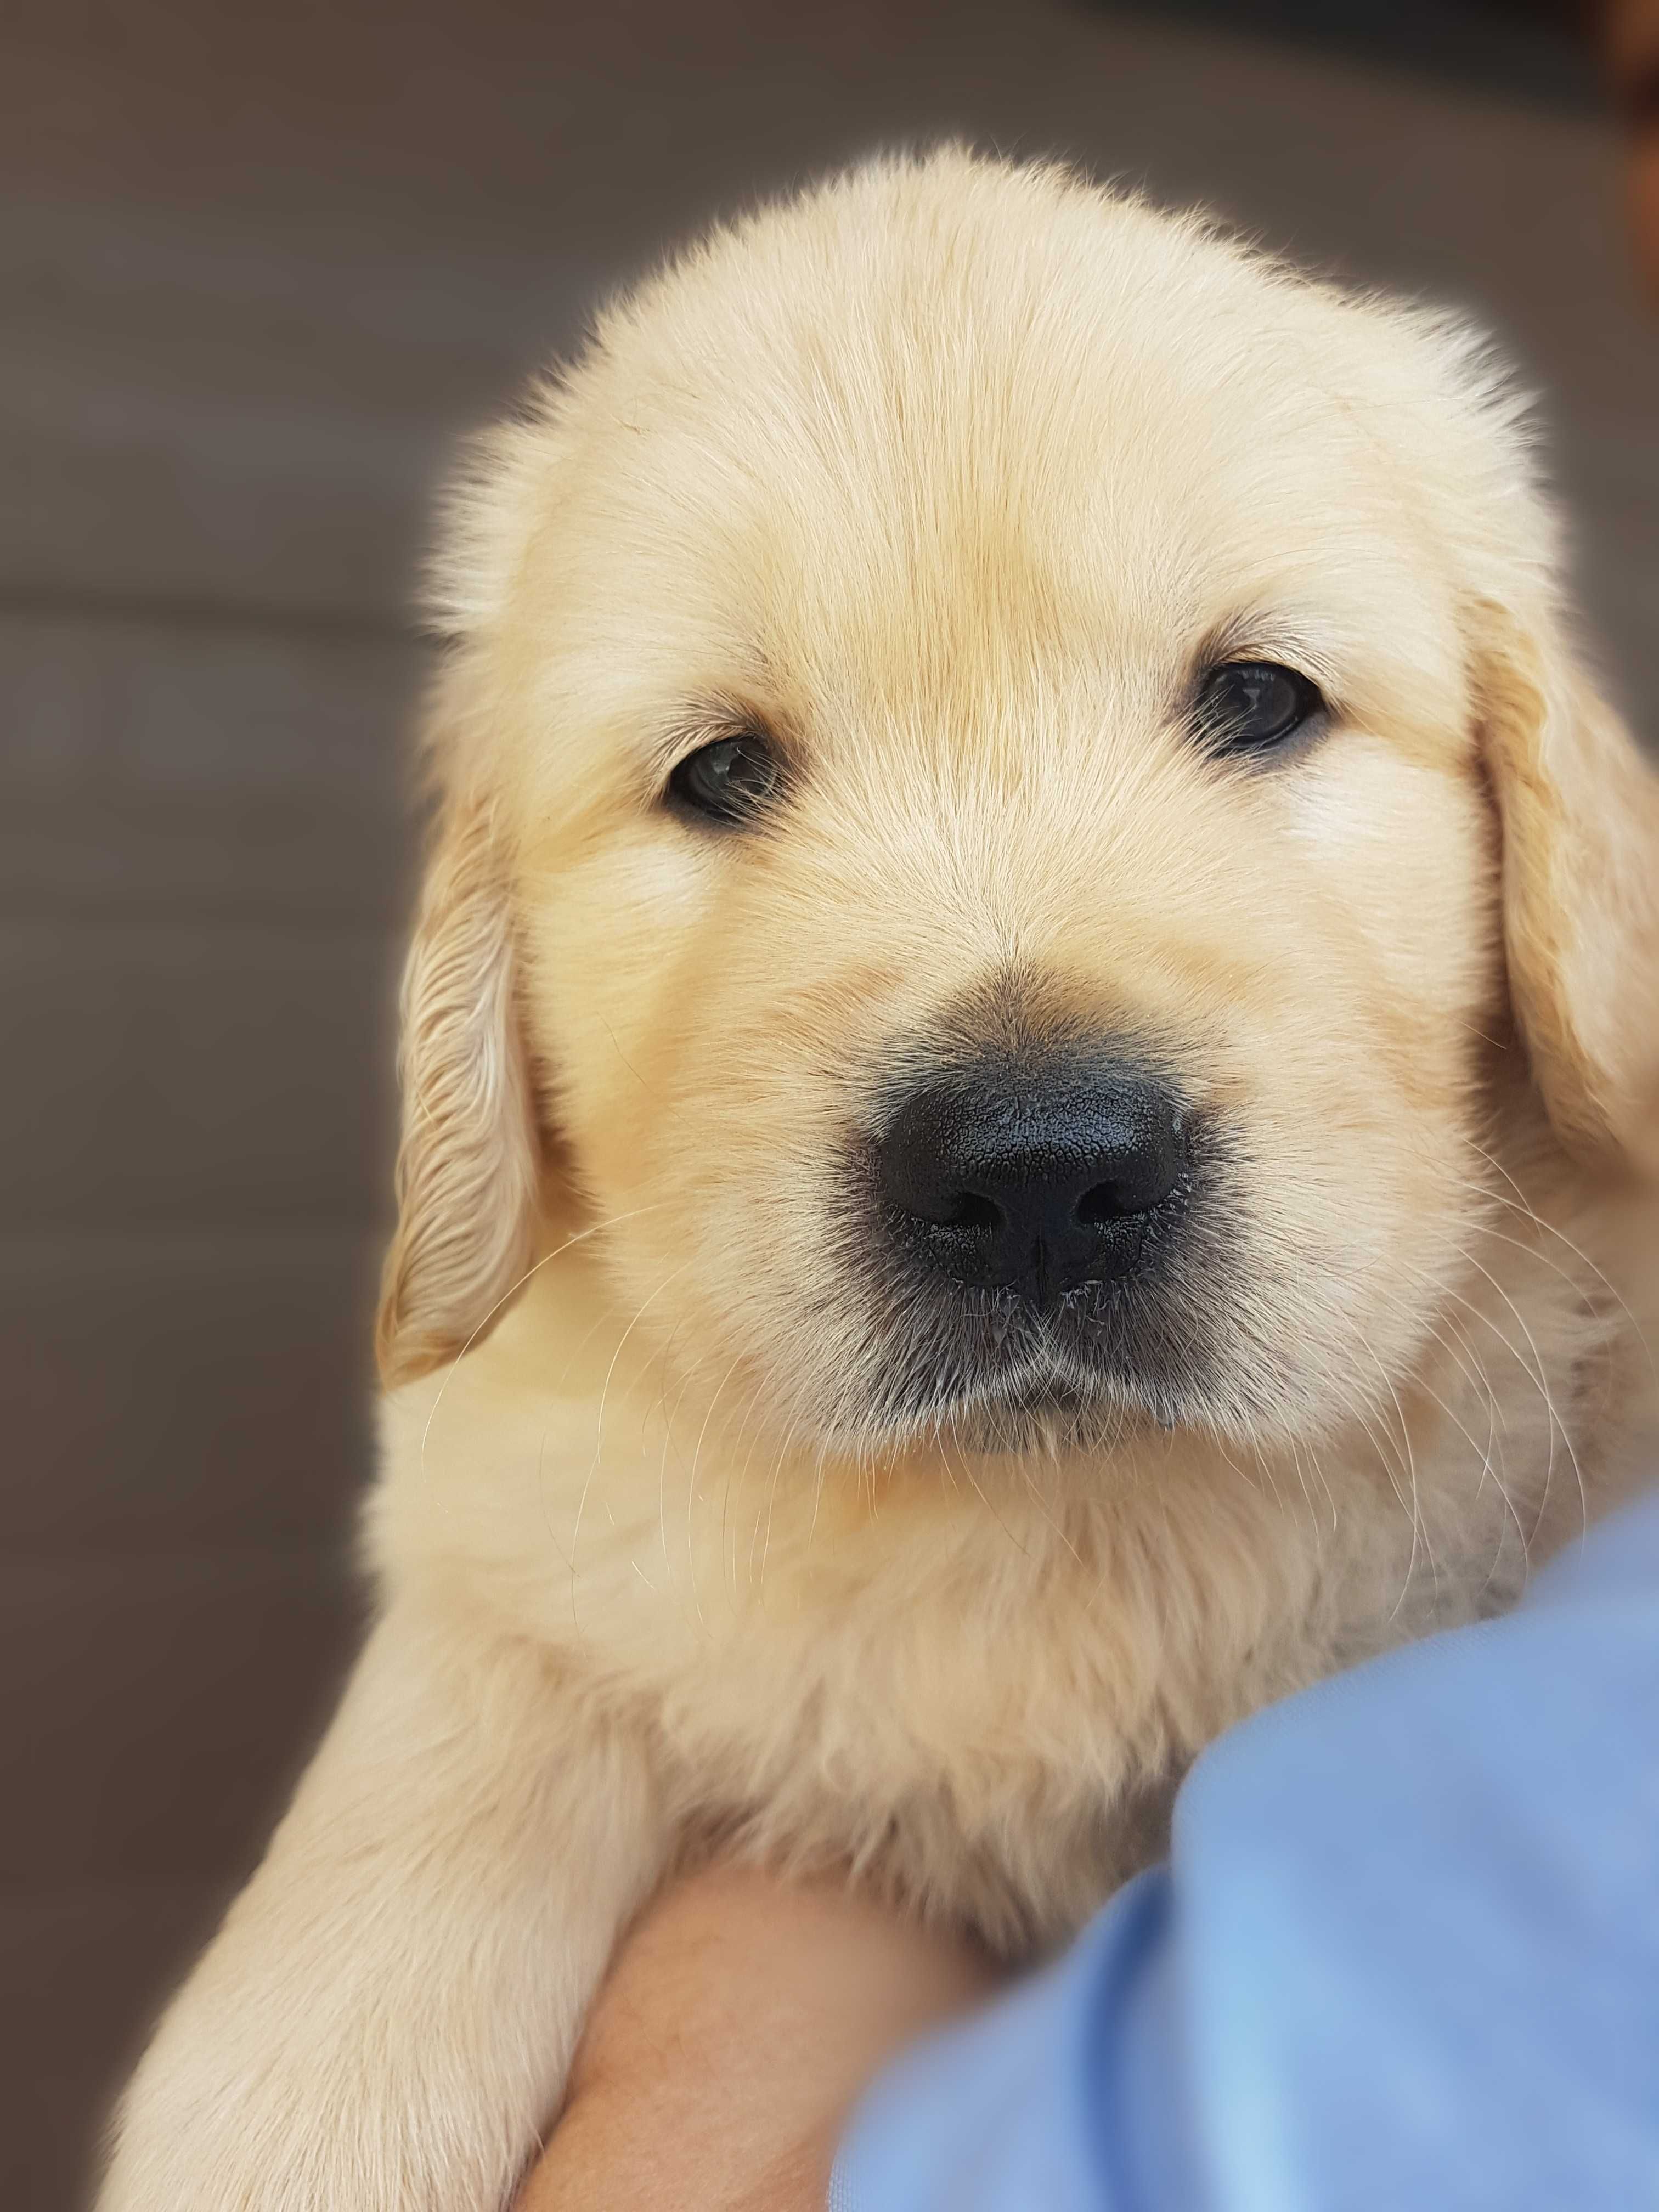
(954, 471)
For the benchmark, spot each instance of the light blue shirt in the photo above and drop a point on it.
(1404, 1958)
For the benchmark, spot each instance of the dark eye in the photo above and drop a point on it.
(730, 780)
(1250, 706)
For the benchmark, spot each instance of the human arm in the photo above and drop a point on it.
(741, 2020)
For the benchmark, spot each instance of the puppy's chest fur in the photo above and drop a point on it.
(976, 1683)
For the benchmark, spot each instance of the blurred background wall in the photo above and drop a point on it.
(258, 268)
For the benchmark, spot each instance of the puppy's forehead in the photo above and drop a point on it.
(898, 440)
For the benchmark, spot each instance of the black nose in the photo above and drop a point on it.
(1033, 1184)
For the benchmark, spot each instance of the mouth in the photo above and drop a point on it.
(1002, 1372)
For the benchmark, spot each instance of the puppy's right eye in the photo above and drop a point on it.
(731, 780)
(1252, 706)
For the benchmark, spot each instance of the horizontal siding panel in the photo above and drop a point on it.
(194, 1078)
(156, 1721)
(269, 522)
(181, 707)
(84, 1969)
(179, 1394)
(120, 855)
(182, 413)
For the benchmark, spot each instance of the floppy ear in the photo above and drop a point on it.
(468, 1162)
(1579, 808)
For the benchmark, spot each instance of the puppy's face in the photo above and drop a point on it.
(1005, 895)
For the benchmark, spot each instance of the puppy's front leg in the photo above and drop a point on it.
(385, 2019)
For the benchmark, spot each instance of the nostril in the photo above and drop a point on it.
(1144, 1182)
(1105, 1203)
(1142, 1168)
(968, 1209)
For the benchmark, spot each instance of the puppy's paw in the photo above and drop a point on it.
(210, 2133)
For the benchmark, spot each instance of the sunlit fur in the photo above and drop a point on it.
(956, 474)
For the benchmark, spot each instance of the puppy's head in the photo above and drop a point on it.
(1014, 796)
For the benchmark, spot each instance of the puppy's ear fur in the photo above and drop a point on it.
(468, 1164)
(1579, 810)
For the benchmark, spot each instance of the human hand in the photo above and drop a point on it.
(739, 2025)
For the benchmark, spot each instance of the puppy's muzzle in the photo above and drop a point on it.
(1030, 1180)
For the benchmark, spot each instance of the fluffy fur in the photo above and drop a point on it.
(954, 471)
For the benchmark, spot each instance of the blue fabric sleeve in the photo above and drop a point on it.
(1405, 1954)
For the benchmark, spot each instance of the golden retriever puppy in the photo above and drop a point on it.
(1031, 1055)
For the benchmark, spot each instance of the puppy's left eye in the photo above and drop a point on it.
(1251, 706)
(731, 780)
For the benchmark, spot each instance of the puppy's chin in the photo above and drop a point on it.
(1052, 1420)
